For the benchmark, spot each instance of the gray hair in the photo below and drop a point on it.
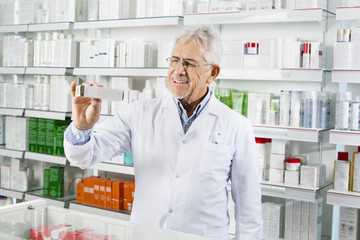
(207, 37)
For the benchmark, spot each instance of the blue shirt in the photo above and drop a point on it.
(79, 137)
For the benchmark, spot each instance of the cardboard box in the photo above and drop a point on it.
(56, 182)
(80, 194)
(108, 185)
(276, 175)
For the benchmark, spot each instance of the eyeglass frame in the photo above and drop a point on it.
(186, 68)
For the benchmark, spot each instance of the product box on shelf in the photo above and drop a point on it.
(56, 182)
(349, 223)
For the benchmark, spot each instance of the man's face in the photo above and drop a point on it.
(189, 84)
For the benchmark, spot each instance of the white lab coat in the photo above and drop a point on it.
(181, 179)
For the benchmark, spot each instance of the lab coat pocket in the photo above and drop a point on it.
(219, 233)
(215, 159)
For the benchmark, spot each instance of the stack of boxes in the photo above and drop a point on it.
(279, 152)
(106, 193)
(53, 183)
(15, 176)
(273, 215)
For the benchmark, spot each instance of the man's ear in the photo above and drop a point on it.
(215, 70)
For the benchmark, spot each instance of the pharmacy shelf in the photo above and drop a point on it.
(284, 74)
(12, 70)
(296, 192)
(130, 22)
(57, 26)
(12, 111)
(264, 16)
(345, 199)
(45, 158)
(126, 72)
(344, 137)
(11, 193)
(288, 133)
(58, 202)
(116, 168)
(10, 152)
(13, 28)
(348, 13)
(345, 76)
(122, 215)
(47, 114)
(49, 70)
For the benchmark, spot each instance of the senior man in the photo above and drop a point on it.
(186, 147)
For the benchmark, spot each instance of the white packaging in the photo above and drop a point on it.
(276, 220)
(355, 57)
(292, 177)
(289, 205)
(60, 98)
(164, 51)
(315, 219)
(355, 33)
(287, 51)
(203, 6)
(176, 8)
(342, 55)
(99, 92)
(276, 175)
(317, 59)
(310, 109)
(251, 61)
(296, 220)
(342, 175)
(266, 219)
(93, 10)
(277, 161)
(114, 8)
(233, 47)
(355, 173)
(5, 176)
(45, 94)
(349, 224)
(295, 106)
(285, 99)
(266, 48)
(304, 224)
(279, 146)
(312, 176)
(104, 9)
(22, 180)
(15, 167)
(2, 129)
(296, 50)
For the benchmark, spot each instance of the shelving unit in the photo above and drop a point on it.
(14, 28)
(12, 111)
(11, 193)
(56, 26)
(11, 152)
(45, 158)
(288, 133)
(285, 74)
(47, 114)
(345, 76)
(131, 22)
(49, 70)
(116, 168)
(344, 137)
(12, 70)
(266, 16)
(123, 215)
(296, 192)
(348, 13)
(126, 72)
(58, 202)
(345, 199)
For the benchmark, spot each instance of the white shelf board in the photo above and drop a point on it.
(116, 168)
(50, 26)
(127, 72)
(131, 22)
(345, 199)
(282, 190)
(99, 211)
(285, 74)
(345, 76)
(52, 202)
(13, 28)
(287, 133)
(11, 193)
(348, 13)
(45, 158)
(344, 137)
(11, 152)
(12, 70)
(47, 114)
(263, 16)
(48, 70)
(12, 111)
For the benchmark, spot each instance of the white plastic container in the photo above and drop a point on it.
(293, 164)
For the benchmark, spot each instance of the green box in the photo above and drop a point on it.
(46, 182)
(245, 105)
(60, 140)
(50, 136)
(41, 135)
(33, 134)
(56, 182)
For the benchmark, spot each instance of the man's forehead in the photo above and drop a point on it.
(188, 50)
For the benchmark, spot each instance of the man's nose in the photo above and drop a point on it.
(180, 69)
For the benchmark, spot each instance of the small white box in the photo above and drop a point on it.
(304, 225)
(289, 205)
(315, 219)
(277, 161)
(349, 224)
(356, 173)
(342, 171)
(279, 146)
(99, 92)
(342, 55)
(5, 176)
(266, 219)
(276, 175)
(312, 176)
(292, 177)
(296, 220)
(276, 220)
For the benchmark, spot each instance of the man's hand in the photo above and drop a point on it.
(85, 111)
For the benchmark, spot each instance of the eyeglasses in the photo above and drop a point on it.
(188, 65)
